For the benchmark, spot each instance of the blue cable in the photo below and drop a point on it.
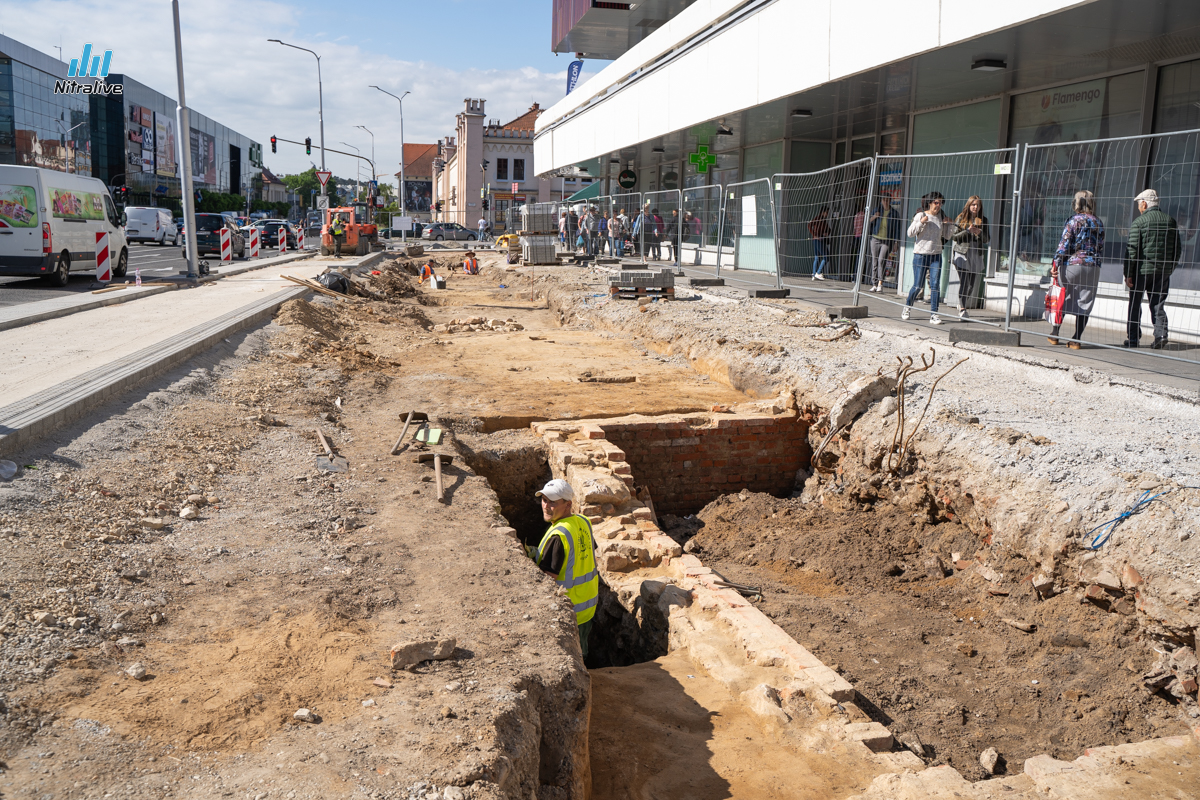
(1145, 500)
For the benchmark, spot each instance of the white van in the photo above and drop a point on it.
(49, 221)
(146, 224)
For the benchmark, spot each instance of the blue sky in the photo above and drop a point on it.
(441, 51)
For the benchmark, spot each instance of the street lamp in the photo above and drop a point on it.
(185, 144)
(357, 172)
(364, 127)
(400, 99)
(320, 99)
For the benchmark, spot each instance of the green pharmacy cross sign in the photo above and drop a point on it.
(702, 158)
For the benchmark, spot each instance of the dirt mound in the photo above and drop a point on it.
(392, 284)
(874, 592)
(322, 319)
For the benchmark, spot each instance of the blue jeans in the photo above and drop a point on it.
(820, 256)
(931, 265)
(614, 247)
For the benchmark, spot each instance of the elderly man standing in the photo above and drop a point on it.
(1150, 258)
(567, 552)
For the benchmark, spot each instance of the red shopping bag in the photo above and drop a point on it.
(1055, 298)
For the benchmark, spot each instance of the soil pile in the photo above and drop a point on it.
(874, 592)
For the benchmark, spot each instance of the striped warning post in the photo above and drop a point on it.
(226, 246)
(282, 239)
(103, 270)
(254, 243)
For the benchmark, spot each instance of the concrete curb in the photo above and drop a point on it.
(63, 306)
(73, 304)
(35, 416)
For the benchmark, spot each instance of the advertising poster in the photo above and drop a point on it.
(68, 204)
(420, 194)
(164, 145)
(18, 207)
(204, 156)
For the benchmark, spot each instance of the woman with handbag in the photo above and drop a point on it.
(1076, 264)
(970, 239)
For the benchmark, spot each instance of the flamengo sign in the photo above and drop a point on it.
(323, 177)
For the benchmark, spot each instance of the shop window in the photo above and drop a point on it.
(501, 169)
(1177, 106)
(518, 169)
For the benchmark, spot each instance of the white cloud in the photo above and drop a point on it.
(236, 77)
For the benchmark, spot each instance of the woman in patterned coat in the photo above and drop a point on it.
(1077, 264)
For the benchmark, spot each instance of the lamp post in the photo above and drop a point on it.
(320, 98)
(364, 127)
(403, 192)
(185, 145)
(357, 172)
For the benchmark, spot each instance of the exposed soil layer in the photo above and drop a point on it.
(931, 656)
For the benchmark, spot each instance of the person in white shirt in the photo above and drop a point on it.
(482, 228)
(932, 229)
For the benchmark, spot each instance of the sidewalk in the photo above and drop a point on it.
(58, 369)
(28, 313)
(884, 315)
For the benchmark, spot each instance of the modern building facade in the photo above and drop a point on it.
(770, 86)
(128, 138)
(509, 178)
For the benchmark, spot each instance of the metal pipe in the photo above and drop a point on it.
(1012, 246)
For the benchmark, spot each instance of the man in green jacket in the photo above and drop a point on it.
(1150, 259)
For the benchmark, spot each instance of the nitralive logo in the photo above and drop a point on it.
(89, 66)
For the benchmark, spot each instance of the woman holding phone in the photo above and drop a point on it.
(931, 228)
(968, 254)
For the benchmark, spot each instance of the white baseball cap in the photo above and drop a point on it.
(557, 489)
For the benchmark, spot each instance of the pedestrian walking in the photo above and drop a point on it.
(562, 228)
(883, 231)
(601, 233)
(482, 225)
(1150, 258)
(656, 248)
(1076, 264)
(819, 230)
(968, 253)
(671, 235)
(697, 228)
(931, 228)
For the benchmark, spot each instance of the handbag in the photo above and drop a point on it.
(1055, 299)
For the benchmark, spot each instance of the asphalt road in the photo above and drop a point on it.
(152, 260)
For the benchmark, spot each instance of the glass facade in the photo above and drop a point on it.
(130, 138)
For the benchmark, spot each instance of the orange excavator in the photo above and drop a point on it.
(358, 221)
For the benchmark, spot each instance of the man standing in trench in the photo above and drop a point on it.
(567, 552)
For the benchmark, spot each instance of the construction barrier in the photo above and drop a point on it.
(254, 243)
(226, 246)
(747, 233)
(666, 206)
(103, 269)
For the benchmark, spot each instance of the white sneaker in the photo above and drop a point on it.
(878, 287)
(962, 312)
(934, 319)
(906, 313)
(814, 277)
(820, 277)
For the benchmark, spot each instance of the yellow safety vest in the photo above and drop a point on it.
(578, 574)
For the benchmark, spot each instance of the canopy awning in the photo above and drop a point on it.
(589, 192)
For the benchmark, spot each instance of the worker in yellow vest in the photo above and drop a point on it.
(567, 552)
(337, 231)
(471, 264)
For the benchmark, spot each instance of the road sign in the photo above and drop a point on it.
(323, 177)
(103, 271)
(323, 201)
(401, 223)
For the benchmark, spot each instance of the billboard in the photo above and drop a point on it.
(204, 156)
(420, 194)
(164, 145)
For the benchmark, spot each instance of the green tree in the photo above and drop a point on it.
(305, 183)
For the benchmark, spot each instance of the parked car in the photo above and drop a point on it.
(150, 225)
(208, 236)
(268, 233)
(438, 231)
(395, 233)
(49, 221)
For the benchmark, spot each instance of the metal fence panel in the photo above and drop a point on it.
(748, 224)
(701, 225)
(1106, 296)
(820, 224)
(667, 208)
(964, 288)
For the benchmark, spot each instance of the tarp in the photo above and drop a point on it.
(589, 192)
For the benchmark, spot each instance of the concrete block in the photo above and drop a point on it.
(831, 683)
(872, 734)
(847, 312)
(769, 293)
(706, 282)
(984, 334)
(409, 654)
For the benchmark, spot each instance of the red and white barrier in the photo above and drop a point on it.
(103, 270)
(282, 239)
(226, 246)
(254, 243)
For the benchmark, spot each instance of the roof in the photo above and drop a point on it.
(269, 177)
(526, 121)
(418, 160)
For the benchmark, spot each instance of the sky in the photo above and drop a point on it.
(442, 51)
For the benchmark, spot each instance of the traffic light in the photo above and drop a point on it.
(483, 166)
(438, 206)
(308, 146)
(274, 149)
(485, 204)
